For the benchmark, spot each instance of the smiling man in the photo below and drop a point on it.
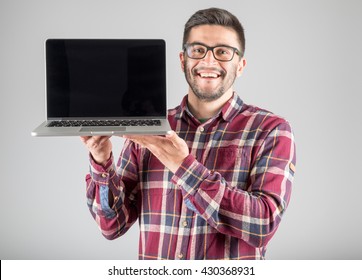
(218, 185)
(211, 71)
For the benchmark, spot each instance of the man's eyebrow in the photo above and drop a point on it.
(217, 45)
(196, 43)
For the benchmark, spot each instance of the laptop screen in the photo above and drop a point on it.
(105, 78)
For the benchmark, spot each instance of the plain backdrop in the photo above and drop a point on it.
(304, 63)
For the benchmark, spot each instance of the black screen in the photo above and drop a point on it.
(105, 78)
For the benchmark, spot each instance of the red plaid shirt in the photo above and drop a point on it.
(224, 202)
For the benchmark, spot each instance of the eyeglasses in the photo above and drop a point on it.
(221, 53)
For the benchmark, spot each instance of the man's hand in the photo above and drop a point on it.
(99, 146)
(170, 150)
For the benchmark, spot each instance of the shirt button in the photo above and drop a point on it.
(104, 175)
(202, 129)
(180, 256)
(184, 223)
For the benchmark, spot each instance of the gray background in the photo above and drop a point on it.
(304, 63)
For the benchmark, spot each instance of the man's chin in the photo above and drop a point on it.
(208, 97)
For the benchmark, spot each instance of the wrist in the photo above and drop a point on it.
(101, 159)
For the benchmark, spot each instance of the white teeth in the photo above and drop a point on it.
(208, 75)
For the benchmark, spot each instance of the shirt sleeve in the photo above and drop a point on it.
(252, 215)
(121, 182)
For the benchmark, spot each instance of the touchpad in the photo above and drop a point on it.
(102, 129)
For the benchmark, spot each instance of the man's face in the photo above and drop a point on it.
(208, 78)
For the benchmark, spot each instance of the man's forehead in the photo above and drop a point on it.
(213, 34)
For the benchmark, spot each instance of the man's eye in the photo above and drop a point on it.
(199, 50)
(223, 51)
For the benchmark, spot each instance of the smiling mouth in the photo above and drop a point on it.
(208, 75)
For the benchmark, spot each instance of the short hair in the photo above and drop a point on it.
(215, 16)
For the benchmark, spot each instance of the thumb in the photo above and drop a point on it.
(173, 137)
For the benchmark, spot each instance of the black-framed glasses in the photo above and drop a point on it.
(221, 53)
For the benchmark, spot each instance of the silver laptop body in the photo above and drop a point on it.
(105, 87)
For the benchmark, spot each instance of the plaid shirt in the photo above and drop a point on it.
(224, 202)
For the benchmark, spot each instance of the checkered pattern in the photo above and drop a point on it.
(225, 201)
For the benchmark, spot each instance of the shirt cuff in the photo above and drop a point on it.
(190, 175)
(101, 174)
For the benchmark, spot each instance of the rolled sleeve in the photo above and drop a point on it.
(101, 175)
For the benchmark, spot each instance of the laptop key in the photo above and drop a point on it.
(104, 123)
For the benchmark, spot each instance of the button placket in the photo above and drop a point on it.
(199, 136)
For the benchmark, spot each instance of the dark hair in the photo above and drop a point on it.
(215, 16)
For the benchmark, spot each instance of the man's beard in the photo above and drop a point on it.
(208, 96)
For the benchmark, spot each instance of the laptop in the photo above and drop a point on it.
(105, 87)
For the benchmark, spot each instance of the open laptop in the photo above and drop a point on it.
(105, 87)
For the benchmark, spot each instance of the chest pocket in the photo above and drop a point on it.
(233, 163)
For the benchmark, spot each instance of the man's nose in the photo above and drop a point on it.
(209, 57)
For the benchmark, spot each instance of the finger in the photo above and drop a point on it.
(144, 140)
(95, 141)
(136, 137)
(97, 138)
(174, 138)
(161, 146)
(84, 139)
(155, 150)
(104, 139)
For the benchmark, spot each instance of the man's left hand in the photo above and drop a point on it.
(170, 150)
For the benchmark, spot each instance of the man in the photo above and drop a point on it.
(217, 186)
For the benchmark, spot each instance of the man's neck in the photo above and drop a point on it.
(207, 109)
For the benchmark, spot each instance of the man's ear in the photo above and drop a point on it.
(182, 61)
(241, 66)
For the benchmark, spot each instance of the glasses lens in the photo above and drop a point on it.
(196, 51)
(223, 53)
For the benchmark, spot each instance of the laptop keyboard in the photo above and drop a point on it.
(104, 123)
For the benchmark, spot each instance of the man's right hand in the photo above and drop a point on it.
(99, 146)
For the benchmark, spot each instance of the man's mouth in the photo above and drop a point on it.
(207, 73)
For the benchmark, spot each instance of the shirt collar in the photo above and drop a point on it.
(231, 108)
